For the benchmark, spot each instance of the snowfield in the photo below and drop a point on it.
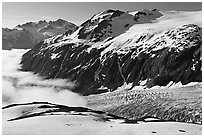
(89, 125)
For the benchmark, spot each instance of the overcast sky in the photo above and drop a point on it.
(14, 13)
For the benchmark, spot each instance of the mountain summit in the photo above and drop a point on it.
(111, 23)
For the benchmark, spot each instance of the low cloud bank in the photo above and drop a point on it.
(24, 87)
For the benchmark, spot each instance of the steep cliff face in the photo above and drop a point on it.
(27, 35)
(146, 54)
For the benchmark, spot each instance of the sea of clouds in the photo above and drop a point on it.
(25, 87)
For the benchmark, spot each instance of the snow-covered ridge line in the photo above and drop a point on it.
(128, 38)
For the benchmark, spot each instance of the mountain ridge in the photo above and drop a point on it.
(98, 55)
(29, 34)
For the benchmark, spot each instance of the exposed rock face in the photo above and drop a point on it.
(27, 35)
(149, 58)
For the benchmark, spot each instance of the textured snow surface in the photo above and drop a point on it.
(82, 125)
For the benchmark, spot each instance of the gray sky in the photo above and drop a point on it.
(14, 13)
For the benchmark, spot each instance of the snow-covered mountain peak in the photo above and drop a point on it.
(147, 16)
(102, 15)
(111, 23)
(144, 12)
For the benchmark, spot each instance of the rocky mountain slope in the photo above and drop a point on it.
(116, 48)
(27, 35)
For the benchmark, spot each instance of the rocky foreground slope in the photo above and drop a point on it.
(115, 48)
(27, 35)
